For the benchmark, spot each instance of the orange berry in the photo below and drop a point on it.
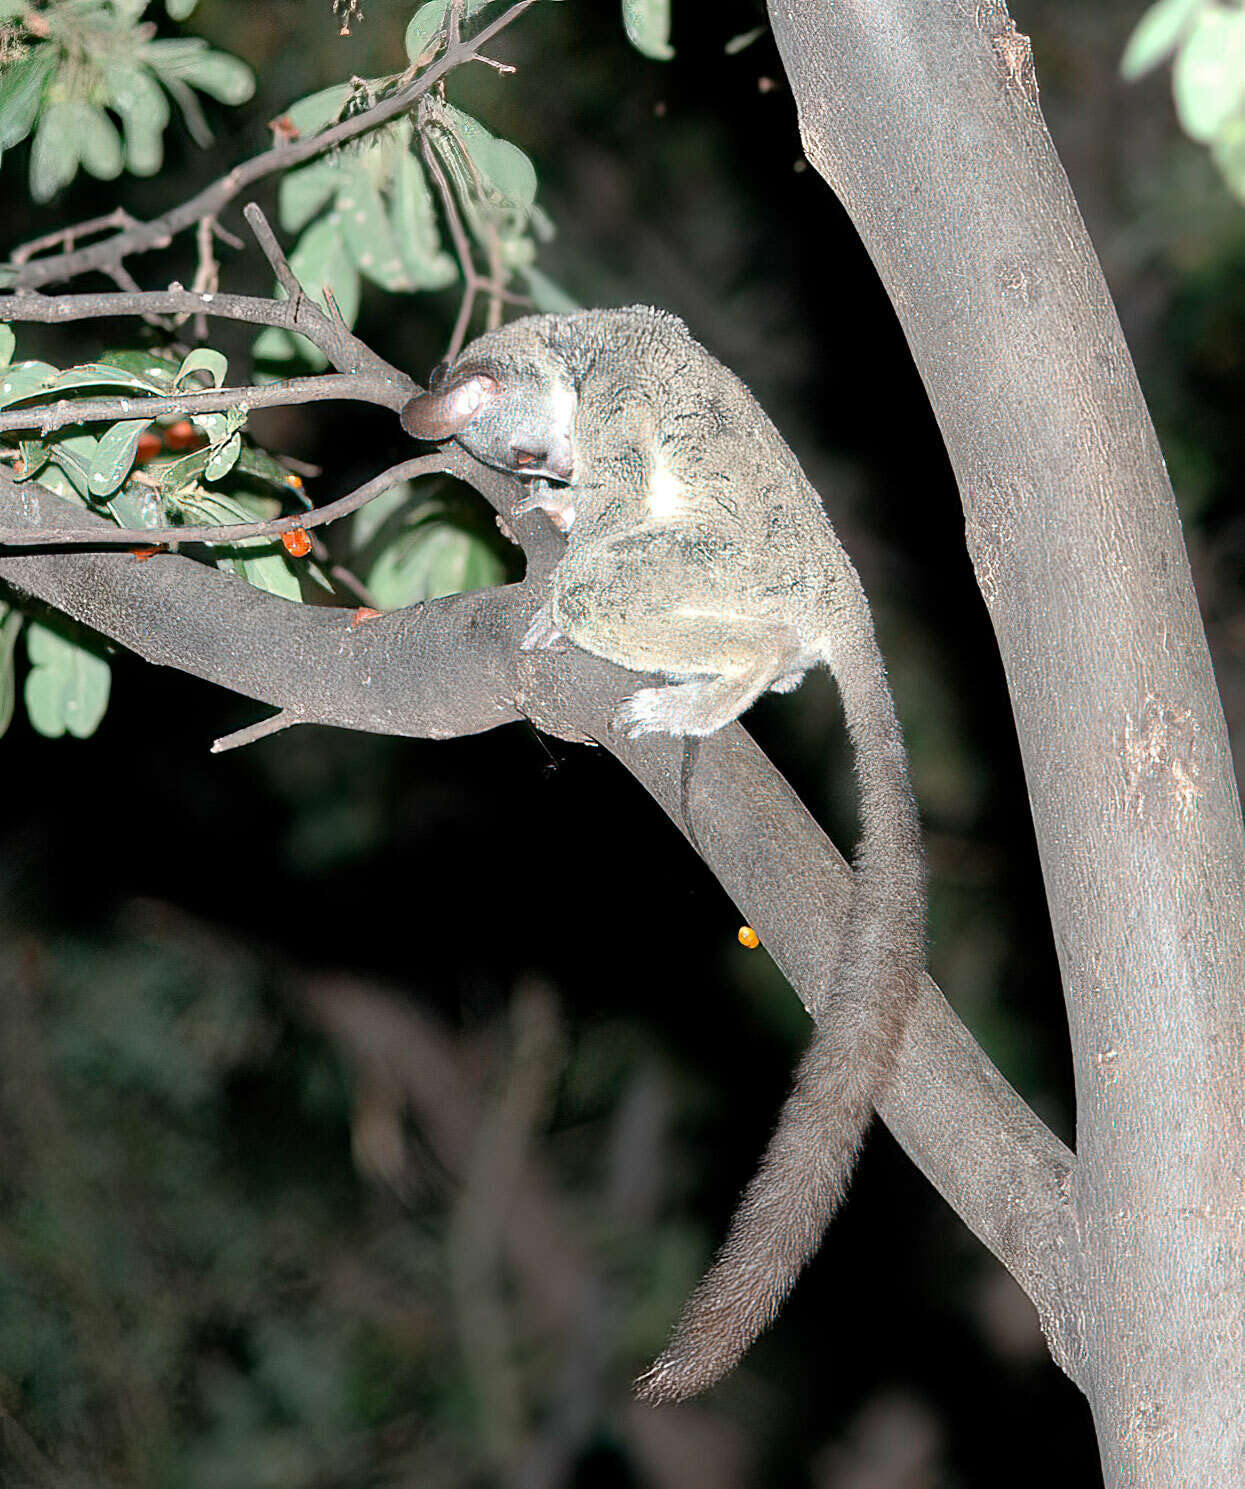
(182, 436)
(149, 446)
(297, 542)
(748, 937)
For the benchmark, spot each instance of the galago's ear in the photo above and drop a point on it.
(449, 406)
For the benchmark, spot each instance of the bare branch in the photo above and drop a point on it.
(48, 417)
(32, 273)
(302, 315)
(253, 732)
(271, 250)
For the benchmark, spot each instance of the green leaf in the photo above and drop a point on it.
(303, 192)
(67, 687)
(8, 343)
(21, 92)
(151, 367)
(136, 506)
(35, 455)
(260, 561)
(114, 457)
(144, 110)
(261, 466)
(104, 375)
(368, 236)
(1228, 151)
(202, 359)
(24, 379)
(415, 224)
(177, 475)
(428, 20)
(221, 76)
(144, 146)
(57, 481)
(1156, 35)
(1208, 80)
(433, 558)
(369, 519)
(224, 458)
(183, 95)
(514, 175)
(647, 24)
(54, 156)
(133, 91)
(503, 165)
(10, 626)
(320, 259)
(546, 295)
(75, 454)
(100, 145)
(318, 110)
(171, 55)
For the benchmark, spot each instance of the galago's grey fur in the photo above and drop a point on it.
(696, 549)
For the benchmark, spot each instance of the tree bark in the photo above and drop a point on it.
(923, 117)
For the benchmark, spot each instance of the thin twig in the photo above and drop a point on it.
(343, 349)
(210, 202)
(271, 250)
(100, 535)
(461, 242)
(474, 282)
(48, 417)
(261, 730)
(119, 218)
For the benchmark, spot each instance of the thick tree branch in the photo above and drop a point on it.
(964, 207)
(431, 671)
(405, 674)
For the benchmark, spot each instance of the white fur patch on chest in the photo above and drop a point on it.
(667, 495)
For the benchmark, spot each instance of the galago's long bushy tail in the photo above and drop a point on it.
(804, 1172)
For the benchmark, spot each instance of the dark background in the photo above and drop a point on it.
(236, 1248)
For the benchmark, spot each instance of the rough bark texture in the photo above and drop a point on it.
(923, 117)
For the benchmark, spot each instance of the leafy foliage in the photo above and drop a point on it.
(420, 550)
(67, 690)
(367, 211)
(202, 470)
(79, 62)
(1208, 74)
(648, 27)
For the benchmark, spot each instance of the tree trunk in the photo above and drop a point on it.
(923, 117)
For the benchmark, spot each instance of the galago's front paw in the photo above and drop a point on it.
(554, 501)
